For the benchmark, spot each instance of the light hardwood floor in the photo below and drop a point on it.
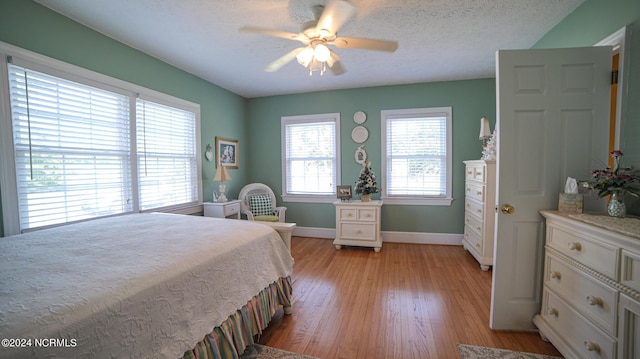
(408, 301)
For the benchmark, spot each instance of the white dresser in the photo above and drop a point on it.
(480, 212)
(591, 295)
(358, 224)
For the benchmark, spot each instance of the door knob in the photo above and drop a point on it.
(507, 208)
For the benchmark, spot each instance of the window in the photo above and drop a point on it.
(167, 155)
(416, 150)
(310, 162)
(84, 148)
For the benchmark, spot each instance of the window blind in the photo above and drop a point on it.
(71, 146)
(167, 155)
(416, 156)
(310, 157)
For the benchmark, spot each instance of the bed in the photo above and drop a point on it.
(140, 285)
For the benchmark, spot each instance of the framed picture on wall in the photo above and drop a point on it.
(227, 152)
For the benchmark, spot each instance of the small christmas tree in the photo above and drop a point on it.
(366, 183)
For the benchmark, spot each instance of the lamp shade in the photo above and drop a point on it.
(485, 130)
(221, 174)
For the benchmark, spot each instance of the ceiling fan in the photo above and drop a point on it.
(319, 33)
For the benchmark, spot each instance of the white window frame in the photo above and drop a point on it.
(62, 69)
(387, 115)
(302, 119)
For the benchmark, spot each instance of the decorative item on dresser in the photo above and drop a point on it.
(479, 216)
(591, 293)
(221, 176)
(358, 224)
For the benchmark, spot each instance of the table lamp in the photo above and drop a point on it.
(221, 175)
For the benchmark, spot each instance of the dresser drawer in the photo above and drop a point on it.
(472, 237)
(347, 213)
(575, 329)
(474, 191)
(367, 214)
(585, 249)
(232, 209)
(594, 299)
(473, 224)
(474, 208)
(359, 231)
(475, 173)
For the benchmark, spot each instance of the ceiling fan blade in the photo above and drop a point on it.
(335, 66)
(337, 69)
(334, 15)
(272, 32)
(365, 44)
(283, 60)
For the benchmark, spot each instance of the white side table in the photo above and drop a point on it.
(358, 224)
(229, 209)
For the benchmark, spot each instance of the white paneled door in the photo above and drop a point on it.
(552, 122)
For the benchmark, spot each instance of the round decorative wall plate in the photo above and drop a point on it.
(359, 117)
(359, 134)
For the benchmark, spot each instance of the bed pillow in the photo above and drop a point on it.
(260, 205)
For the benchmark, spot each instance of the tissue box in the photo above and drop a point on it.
(570, 203)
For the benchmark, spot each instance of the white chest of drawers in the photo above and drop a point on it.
(591, 303)
(479, 215)
(358, 224)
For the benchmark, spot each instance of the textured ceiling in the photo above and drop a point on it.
(439, 40)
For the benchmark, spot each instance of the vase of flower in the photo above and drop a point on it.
(365, 198)
(616, 182)
(616, 206)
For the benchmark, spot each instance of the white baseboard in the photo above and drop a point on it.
(388, 236)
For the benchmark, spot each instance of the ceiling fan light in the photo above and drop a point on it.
(322, 53)
(305, 56)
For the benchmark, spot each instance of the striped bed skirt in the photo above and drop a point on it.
(230, 339)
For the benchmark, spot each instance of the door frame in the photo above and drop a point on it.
(623, 48)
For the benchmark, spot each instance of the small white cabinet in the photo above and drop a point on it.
(590, 301)
(479, 215)
(230, 209)
(358, 224)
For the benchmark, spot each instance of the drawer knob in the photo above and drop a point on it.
(594, 301)
(591, 346)
(555, 274)
(553, 312)
(575, 246)
(479, 228)
(479, 193)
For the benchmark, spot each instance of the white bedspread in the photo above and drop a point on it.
(128, 286)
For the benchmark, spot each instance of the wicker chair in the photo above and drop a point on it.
(258, 203)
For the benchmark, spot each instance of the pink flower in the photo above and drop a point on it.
(616, 153)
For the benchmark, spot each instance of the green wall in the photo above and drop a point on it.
(588, 25)
(33, 27)
(470, 100)
(256, 122)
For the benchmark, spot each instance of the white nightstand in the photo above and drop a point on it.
(229, 209)
(358, 224)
